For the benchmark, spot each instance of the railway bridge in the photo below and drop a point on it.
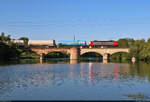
(76, 52)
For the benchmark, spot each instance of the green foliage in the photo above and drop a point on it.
(2, 37)
(123, 43)
(29, 55)
(57, 55)
(120, 56)
(8, 49)
(25, 39)
(91, 54)
(7, 52)
(138, 49)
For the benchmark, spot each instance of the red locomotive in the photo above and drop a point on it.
(103, 44)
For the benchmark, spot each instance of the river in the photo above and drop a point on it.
(74, 80)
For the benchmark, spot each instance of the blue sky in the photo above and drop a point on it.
(86, 19)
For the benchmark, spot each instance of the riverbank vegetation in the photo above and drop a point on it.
(28, 55)
(7, 52)
(140, 49)
(57, 55)
(9, 49)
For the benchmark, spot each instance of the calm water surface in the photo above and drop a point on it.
(63, 80)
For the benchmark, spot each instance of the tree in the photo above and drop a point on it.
(137, 49)
(8, 39)
(2, 36)
(7, 52)
(25, 39)
(123, 43)
(130, 41)
(146, 51)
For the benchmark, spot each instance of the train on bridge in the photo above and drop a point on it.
(70, 43)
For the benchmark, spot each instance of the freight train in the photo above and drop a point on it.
(70, 43)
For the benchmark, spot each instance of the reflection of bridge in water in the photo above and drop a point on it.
(76, 52)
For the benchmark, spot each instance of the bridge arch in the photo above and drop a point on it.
(57, 54)
(91, 54)
(29, 54)
(119, 50)
(119, 56)
(84, 51)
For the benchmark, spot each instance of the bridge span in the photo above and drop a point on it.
(76, 52)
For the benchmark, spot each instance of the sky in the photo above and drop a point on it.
(86, 19)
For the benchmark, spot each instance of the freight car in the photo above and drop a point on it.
(103, 44)
(19, 42)
(42, 43)
(70, 43)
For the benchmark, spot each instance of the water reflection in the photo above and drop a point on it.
(73, 61)
(74, 76)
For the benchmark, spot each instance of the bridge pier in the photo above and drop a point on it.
(42, 56)
(105, 58)
(74, 53)
(105, 61)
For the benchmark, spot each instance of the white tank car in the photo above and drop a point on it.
(19, 42)
(42, 42)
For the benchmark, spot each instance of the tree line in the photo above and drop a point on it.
(7, 40)
(9, 49)
(140, 49)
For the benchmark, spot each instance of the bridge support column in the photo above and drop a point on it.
(41, 56)
(73, 61)
(105, 58)
(74, 53)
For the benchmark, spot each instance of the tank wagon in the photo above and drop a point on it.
(38, 43)
(103, 44)
(68, 43)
